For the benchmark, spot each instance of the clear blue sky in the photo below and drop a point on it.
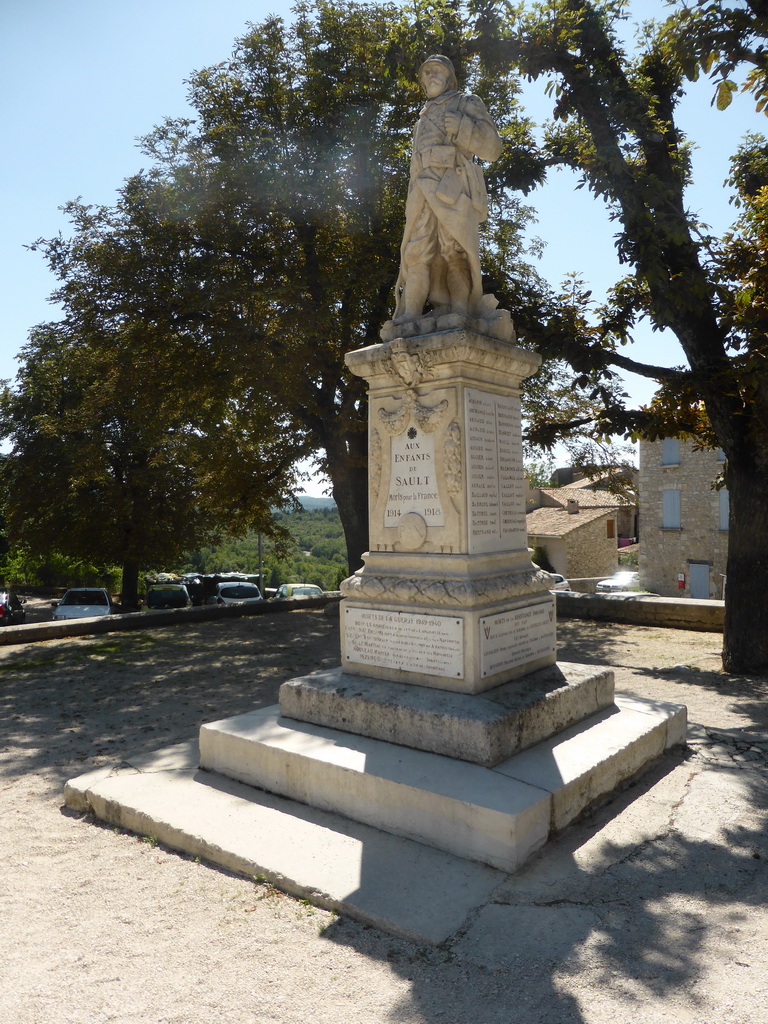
(81, 80)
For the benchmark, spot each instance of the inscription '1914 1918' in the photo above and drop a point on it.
(412, 479)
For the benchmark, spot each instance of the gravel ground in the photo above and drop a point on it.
(102, 926)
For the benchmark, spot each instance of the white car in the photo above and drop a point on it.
(559, 582)
(620, 582)
(236, 593)
(83, 603)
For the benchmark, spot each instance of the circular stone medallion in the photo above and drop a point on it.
(412, 531)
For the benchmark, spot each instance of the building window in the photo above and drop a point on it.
(670, 510)
(724, 507)
(611, 527)
(670, 452)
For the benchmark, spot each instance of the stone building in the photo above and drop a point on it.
(590, 494)
(581, 524)
(683, 520)
(580, 543)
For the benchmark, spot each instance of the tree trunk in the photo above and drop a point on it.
(745, 637)
(348, 469)
(129, 595)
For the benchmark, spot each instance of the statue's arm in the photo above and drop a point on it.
(477, 133)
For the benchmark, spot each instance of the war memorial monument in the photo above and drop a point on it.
(449, 723)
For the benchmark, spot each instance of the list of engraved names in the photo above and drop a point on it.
(495, 480)
(514, 638)
(428, 644)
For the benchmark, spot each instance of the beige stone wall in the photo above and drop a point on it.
(665, 553)
(584, 552)
(591, 552)
(557, 551)
(625, 520)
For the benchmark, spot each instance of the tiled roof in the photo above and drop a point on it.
(586, 498)
(556, 522)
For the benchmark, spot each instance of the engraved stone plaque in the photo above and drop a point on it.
(413, 479)
(430, 644)
(517, 637)
(495, 479)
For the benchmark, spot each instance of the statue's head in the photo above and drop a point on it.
(433, 69)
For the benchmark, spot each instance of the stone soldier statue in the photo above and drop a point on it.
(447, 200)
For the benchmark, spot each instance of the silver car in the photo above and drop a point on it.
(236, 593)
(618, 583)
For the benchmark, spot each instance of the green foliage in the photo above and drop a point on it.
(209, 311)
(313, 552)
(615, 124)
(721, 40)
(538, 472)
(541, 558)
(628, 559)
(21, 568)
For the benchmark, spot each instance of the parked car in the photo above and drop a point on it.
(560, 582)
(619, 582)
(12, 611)
(236, 593)
(298, 590)
(167, 595)
(83, 603)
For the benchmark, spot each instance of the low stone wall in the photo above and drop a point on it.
(634, 609)
(643, 610)
(32, 631)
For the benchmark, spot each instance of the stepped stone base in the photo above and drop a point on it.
(484, 729)
(496, 816)
(405, 888)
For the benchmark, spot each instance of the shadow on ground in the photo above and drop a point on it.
(633, 941)
(561, 943)
(70, 705)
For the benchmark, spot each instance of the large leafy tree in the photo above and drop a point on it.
(292, 179)
(615, 123)
(127, 443)
(219, 297)
(108, 460)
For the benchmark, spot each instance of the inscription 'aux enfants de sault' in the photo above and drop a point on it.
(412, 485)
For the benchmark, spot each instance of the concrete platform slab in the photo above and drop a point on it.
(392, 883)
(485, 728)
(582, 764)
(458, 807)
(498, 816)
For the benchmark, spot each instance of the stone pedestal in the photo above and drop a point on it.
(449, 723)
(448, 596)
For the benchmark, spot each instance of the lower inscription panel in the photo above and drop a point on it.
(407, 641)
(514, 638)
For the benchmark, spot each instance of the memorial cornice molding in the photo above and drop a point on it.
(444, 593)
(410, 362)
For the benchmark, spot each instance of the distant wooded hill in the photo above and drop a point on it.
(311, 503)
(314, 553)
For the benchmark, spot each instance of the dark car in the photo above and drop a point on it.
(167, 595)
(12, 611)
